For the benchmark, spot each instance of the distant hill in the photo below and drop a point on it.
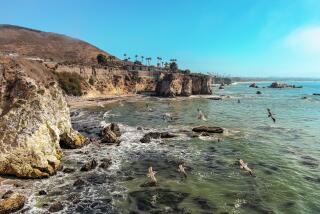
(35, 43)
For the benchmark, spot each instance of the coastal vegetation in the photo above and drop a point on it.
(70, 82)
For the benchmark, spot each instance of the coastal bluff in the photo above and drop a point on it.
(34, 118)
(177, 84)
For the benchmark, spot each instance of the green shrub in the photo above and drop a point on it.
(101, 58)
(70, 83)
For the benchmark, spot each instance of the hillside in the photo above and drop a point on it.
(35, 43)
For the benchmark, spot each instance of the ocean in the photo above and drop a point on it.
(284, 156)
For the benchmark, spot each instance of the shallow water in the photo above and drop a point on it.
(284, 157)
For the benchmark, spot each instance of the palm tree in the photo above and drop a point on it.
(142, 57)
(129, 58)
(148, 60)
(125, 56)
(136, 56)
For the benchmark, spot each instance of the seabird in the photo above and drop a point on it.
(182, 170)
(201, 115)
(244, 166)
(271, 115)
(152, 175)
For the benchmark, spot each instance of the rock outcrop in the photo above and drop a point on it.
(110, 134)
(178, 84)
(34, 117)
(280, 85)
(89, 165)
(208, 129)
(253, 85)
(11, 202)
(156, 135)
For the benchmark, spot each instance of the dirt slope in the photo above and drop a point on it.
(35, 43)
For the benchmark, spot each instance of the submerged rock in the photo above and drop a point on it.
(56, 207)
(11, 202)
(90, 165)
(259, 92)
(105, 163)
(151, 200)
(203, 204)
(33, 116)
(68, 170)
(208, 129)
(79, 182)
(111, 134)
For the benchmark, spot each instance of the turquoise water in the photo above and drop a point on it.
(284, 156)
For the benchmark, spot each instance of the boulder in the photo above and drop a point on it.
(253, 85)
(11, 202)
(79, 182)
(111, 134)
(316, 94)
(105, 163)
(42, 192)
(156, 135)
(259, 92)
(33, 116)
(208, 129)
(90, 165)
(56, 207)
(115, 128)
(72, 140)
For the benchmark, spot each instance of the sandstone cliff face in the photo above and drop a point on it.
(108, 80)
(177, 84)
(33, 117)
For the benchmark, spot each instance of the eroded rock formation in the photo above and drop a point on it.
(178, 84)
(282, 85)
(34, 117)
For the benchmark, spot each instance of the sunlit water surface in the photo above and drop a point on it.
(284, 156)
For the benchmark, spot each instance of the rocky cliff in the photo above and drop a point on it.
(103, 80)
(34, 118)
(178, 84)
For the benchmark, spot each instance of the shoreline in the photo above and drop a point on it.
(87, 102)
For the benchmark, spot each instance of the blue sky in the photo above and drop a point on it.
(235, 37)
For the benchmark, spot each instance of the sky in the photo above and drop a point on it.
(250, 38)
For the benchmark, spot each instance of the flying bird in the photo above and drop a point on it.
(271, 115)
(201, 116)
(152, 175)
(182, 170)
(244, 166)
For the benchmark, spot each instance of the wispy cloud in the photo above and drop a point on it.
(305, 39)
